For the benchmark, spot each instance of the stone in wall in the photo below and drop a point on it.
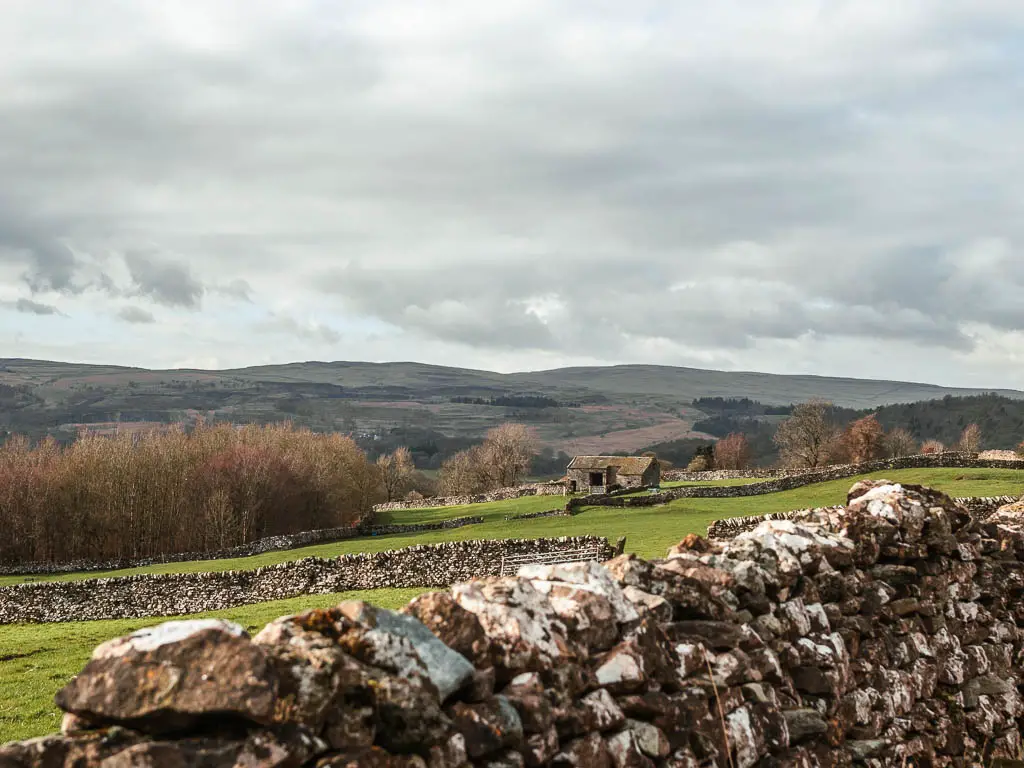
(882, 634)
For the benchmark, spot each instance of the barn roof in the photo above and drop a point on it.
(624, 465)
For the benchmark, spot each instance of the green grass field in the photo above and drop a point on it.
(36, 660)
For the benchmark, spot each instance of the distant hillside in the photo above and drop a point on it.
(767, 388)
(434, 409)
(1001, 420)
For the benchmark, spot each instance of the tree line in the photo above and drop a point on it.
(811, 437)
(137, 495)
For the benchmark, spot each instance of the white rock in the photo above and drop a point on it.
(151, 638)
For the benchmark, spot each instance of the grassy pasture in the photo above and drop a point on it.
(36, 660)
(649, 531)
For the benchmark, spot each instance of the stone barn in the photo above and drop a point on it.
(598, 474)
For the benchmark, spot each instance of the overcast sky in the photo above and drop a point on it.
(788, 186)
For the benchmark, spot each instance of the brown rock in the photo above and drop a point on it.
(691, 543)
(59, 751)
(375, 757)
(591, 751)
(449, 754)
(261, 748)
(482, 685)
(645, 654)
(488, 727)
(714, 634)
(167, 677)
(690, 587)
(540, 748)
(589, 617)
(456, 627)
(409, 716)
(506, 759)
(532, 704)
(321, 687)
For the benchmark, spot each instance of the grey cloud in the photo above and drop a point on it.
(236, 289)
(166, 282)
(47, 263)
(539, 184)
(31, 307)
(279, 323)
(136, 315)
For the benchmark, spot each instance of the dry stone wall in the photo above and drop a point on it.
(268, 544)
(731, 526)
(987, 460)
(124, 597)
(681, 475)
(501, 494)
(886, 633)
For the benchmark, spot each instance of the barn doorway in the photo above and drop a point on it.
(596, 479)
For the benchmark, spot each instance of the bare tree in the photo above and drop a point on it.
(932, 446)
(807, 438)
(732, 452)
(395, 472)
(970, 439)
(508, 450)
(899, 442)
(464, 473)
(698, 464)
(500, 462)
(862, 440)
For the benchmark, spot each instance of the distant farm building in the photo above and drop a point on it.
(598, 474)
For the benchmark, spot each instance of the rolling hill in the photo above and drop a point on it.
(438, 408)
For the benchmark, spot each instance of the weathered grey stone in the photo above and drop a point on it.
(647, 604)
(523, 627)
(804, 724)
(862, 750)
(651, 740)
(403, 643)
